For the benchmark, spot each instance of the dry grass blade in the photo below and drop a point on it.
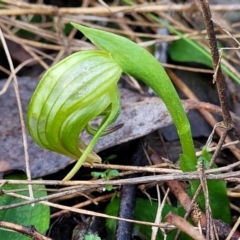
(24, 136)
(158, 217)
(184, 226)
(29, 231)
(90, 213)
(233, 229)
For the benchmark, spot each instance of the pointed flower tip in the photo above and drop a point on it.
(87, 31)
(77, 26)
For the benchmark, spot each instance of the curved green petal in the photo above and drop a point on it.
(69, 96)
(113, 114)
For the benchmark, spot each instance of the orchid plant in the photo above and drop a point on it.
(83, 86)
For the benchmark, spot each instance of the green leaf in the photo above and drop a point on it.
(112, 173)
(111, 157)
(109, 188)
(182, 51)
(27, 215)
(96, 174)
(106, 174)
(92, 237)
(219, 201)
(145, 210)
(103, 174)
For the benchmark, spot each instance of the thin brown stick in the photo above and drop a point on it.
(51, 10)
(209, 222)
(233, 229)
(218, 148)
(29, 231)
(83, 204)
(207, 17)
(178, 190)
(91, 213)
(184, 226)
(234, 207)
(20, 110)
(158, 217)
(137, 180)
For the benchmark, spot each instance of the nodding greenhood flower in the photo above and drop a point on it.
(83, 86)
(78, 89)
